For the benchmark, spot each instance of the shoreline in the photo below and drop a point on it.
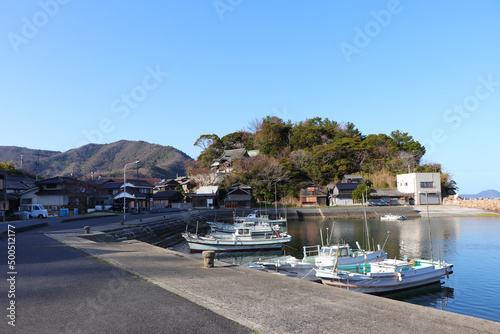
(357, 212)
(445, 210)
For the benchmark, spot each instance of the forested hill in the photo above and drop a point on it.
(106, 160)
(317, 150)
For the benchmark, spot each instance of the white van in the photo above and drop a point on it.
(34, 210)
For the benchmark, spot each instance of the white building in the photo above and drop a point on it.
(418, 187)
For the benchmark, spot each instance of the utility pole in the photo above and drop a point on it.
(37, 163)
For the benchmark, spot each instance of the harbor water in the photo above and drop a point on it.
(471, 244)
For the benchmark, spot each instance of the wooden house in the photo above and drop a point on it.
(239, 196)
(313, 195)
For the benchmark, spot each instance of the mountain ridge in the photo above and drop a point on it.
(105, 160)
(490, 193)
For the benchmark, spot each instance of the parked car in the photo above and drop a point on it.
(33, 211)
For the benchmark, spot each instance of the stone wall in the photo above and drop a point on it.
(477, 203)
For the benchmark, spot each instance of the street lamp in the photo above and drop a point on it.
(125, 188)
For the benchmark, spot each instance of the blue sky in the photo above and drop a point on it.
(75, 72)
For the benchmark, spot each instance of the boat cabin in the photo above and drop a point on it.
(337, 250)
(243, 232)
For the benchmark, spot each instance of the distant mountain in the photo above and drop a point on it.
(105, 160)
(483, 194)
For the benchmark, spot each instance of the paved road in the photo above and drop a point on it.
(59, 289)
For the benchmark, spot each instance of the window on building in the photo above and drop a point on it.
(26, 200)
(426, 184)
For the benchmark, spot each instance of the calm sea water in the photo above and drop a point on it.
(472, 244)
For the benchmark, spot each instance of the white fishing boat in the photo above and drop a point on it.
(255, 216)
(385, 276)
(257, 228)
(390, 216)
(321, 256)
(241, 240)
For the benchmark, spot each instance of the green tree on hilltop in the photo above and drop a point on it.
(406, 143)
(274, 136)
(212, 147)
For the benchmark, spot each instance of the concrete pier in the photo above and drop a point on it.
(268, 303)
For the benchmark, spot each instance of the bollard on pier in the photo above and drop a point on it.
(208, 258)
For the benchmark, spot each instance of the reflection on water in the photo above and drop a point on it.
(435, 296)
(241, 258)
(470, 243)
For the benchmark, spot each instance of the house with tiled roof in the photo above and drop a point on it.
(206, 197)
(239, 195)
(224, 163)
(312, 194)
(341, 193)
(61, 192)
(136, 193)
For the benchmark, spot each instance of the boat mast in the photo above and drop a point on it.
(429, 222)
(286, 209)
(275, 203)
(366, 222)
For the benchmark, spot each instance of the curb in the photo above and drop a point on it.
(23, 229)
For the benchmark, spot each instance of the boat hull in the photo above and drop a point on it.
(382, 283)
(200, 244)
(291, 266)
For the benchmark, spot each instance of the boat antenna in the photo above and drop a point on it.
(331, 233)
(327, 237)
(388, 233)
(321, 236)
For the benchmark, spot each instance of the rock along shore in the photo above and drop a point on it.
(489, 204)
